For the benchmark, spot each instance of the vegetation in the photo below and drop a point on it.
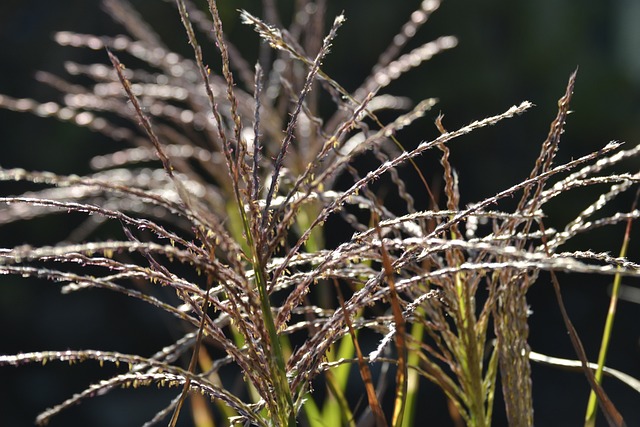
(219, 214)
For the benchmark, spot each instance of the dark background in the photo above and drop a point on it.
(508, 52)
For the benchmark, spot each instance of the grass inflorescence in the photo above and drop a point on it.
(231, 184)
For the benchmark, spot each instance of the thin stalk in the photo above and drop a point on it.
(468, 357)
(196, 352)
(342, 412)
(365, 372)
(401, 346)
(336, 407)
(592, 405)
(413, 375)
(490, 385)
(236, 230)
(613, 416)
(286, 413)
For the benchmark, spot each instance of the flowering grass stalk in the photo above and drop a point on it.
(235, 176)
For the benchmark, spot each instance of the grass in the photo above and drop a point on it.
(234, 179)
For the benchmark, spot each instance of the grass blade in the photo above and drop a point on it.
(592, 408)
(400, 326)
(365, 372)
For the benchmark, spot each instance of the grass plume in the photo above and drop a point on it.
(234, 177)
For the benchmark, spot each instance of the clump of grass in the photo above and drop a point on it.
(224, 197)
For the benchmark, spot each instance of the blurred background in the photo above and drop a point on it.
(508, 52)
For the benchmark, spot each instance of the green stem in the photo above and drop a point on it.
(592, 405)
(285, 411)
(469, 357)
(413, 376)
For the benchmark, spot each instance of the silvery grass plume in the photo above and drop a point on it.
(223, 198)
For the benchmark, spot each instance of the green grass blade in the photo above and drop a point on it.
(592, 405)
